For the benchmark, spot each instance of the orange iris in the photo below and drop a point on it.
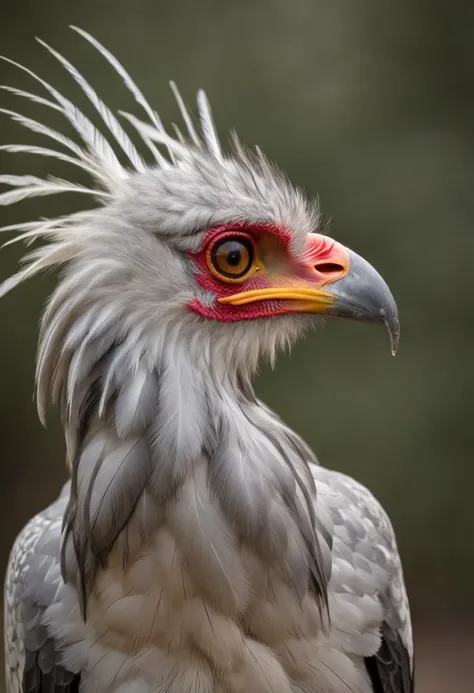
(232, 259)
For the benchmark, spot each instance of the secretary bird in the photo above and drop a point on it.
(198, 546)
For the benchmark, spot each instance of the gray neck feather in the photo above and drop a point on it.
(138, 423)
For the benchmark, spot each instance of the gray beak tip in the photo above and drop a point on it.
(392, 323)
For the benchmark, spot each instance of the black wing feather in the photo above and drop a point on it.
(56, 679)
(390, 669)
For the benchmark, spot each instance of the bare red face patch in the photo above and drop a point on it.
(256, 260)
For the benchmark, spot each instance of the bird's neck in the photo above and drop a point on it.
(135, 449)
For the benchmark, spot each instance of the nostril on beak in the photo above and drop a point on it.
(329, 268)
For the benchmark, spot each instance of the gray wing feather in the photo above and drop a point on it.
(32, 658)
(367, 574)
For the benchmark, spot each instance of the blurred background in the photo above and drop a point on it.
(370, 106)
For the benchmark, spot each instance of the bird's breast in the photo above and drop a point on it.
(195, 601)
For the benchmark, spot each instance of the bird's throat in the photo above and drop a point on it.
(166, 431)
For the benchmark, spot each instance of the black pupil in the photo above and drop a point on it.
(234, 256)
(233, 253)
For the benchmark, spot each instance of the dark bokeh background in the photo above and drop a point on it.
(371, 106)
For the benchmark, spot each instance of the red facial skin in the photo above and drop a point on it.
(302, 270)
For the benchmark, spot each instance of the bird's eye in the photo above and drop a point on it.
(232, 259)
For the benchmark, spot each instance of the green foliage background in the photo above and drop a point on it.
(370, 105)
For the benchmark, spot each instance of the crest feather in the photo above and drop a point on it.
(95, 154)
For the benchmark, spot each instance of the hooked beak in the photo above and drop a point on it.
(332, 280)
(363, 295)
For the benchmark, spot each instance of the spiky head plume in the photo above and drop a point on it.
(129, 273)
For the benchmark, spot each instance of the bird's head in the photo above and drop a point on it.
(215, 251)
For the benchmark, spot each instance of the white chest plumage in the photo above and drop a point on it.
(197, 610)
(193, 604)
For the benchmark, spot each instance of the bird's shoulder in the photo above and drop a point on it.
(32, 657)
(366, 588)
